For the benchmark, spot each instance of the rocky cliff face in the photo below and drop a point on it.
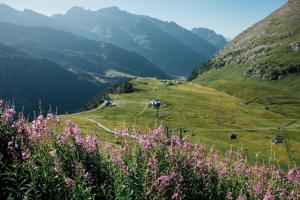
(270, 48)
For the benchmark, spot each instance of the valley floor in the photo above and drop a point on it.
(208, 114)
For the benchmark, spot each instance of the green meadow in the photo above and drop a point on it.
(209, 115)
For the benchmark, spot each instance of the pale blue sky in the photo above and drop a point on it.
(228, 17)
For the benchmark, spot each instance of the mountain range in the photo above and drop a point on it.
(173, 49)
(76, 53)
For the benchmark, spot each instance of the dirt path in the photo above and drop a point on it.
(100, 125)
(144, 109)
(93, 110)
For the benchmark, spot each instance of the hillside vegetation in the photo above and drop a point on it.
(270, 48)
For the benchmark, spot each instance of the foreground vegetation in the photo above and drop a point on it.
(49, 160)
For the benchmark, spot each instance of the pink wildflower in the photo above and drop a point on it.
(269, 196)
(152, 165)
(90, 143)
(21, 126)
(57, 167)
(52, 153)
(176, 196)
(162, 182)
(12, 145)
(258, 188)
(53, 118)
(1, 103)
(242, 197)
(229, 195)
(8, 114)
(25, 155)
(40, 129)
(292, 196)
(69, 181)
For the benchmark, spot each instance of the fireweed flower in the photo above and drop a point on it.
(229, 195)
(258, 188)
(8, 114)
(71, 131)
(1, 103)
(176, 196)
(242, 197)
(69, 181)
(222, 170)
(292, 196)
(162, 182)
(21, 126)
(152, 165)
(25, 155)
(282, 193)
(79, 140)
(186, 145)
(57, 167)
(90, 143)
(187, 164)
(10, 145)
(53, 118)
(52, 153)
(269, 196)
(39, 129)
(294, 175)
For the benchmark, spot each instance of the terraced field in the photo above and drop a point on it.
(209, 115)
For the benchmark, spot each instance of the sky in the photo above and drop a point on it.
(227, 17)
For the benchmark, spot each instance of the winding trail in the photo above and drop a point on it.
(144, 109)
(100, 125)
(93, 110)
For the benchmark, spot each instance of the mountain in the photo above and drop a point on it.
(219, 41)
(270, 48)
(262, 64)
(28, 80)
(75, 52)
(173, 49)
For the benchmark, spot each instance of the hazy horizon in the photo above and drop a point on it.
(228, 18)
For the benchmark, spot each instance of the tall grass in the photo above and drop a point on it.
(47, 159)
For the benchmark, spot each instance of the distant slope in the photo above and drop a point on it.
(173, 49)
(270, 48)
(262, 64)
(28, 80)
(197, 44)
(219, 41)
(76, 52)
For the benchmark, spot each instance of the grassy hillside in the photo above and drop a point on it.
(281, 96)
(269, 48)
(209, 115)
